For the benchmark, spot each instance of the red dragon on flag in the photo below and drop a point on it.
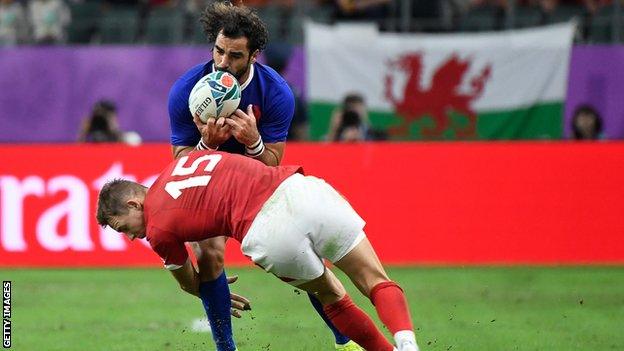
(442, 98)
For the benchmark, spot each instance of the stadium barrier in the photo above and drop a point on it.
(425, 203)
(74, 78)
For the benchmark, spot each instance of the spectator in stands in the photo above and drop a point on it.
(102, 127)
(586, 123)
(191, 8)
(350, 122)
(49, 19)
(146, 8)
(283, 12)
(13, 24)
(552, 11)
(353, 102)
(501, 10)
(351, 128)
(358, 10)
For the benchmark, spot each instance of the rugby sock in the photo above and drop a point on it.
(340, 339)
(393, 311)
(215, 296)
(356, 324)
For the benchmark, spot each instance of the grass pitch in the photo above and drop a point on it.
(498, 309)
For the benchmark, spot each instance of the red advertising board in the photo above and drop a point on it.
(424, 203)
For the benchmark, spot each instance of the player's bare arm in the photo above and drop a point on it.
(245, 131)
(272, 155)
(187, 277)
(209, 255)
(181, 150)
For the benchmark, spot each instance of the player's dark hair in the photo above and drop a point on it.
(112, 199)
(100, 130)
(353, 98)
(589, 110)
(235, 22)
(350, 119)
(105, 106)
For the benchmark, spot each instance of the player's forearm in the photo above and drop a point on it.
(192, 290)
(269, 158)
(188, 278)
(271, 155)
(180, 151)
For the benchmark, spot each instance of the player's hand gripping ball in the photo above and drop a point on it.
(215, 95)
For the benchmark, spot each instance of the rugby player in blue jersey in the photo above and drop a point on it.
(257, 129)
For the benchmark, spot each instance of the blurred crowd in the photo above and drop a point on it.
(48, 22)
(175, 21)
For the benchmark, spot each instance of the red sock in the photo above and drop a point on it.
(354, 323)
(391, 306)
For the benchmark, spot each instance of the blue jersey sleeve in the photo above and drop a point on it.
(280, 108)
(183, 129)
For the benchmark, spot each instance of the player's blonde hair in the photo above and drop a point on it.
(113, 197)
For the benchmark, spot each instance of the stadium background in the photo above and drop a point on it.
(509, 238)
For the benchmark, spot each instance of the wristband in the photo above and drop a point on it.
(202, 146)
(256, 149)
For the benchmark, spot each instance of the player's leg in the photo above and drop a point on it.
(339, 238)
(214, 290)
(342, 341)
(273, 219)
(274, 243)
(344, 314)
(363, 267)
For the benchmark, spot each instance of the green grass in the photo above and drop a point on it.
(498, 309)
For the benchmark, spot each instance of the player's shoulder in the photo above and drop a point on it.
(186, 82)
(270, 77)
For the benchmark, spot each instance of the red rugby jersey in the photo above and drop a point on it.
(207, 194)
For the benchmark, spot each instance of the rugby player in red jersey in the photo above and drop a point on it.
(287, 223)
(258, 130)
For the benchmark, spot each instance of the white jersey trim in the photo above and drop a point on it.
(172, 267)
(251, 75)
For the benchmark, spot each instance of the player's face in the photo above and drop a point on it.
(233, 56)
(131, 224)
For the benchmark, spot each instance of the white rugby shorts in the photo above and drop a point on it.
(303, 222)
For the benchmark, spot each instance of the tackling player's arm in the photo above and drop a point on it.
(187, 277)
(180, 151)
(273, 153)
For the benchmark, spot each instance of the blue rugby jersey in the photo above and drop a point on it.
(273, 104)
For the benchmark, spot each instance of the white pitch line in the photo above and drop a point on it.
(200, 325)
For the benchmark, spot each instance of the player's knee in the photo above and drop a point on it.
(331, 296)
(210, 264)
(210, 270)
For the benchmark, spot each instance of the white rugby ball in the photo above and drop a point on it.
(216, 95)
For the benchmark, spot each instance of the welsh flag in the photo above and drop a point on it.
(499, 85)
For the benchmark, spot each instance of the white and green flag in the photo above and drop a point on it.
(497, 85)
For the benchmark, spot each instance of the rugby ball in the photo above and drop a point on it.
(216, 95)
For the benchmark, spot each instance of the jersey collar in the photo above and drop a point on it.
(251, 75)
